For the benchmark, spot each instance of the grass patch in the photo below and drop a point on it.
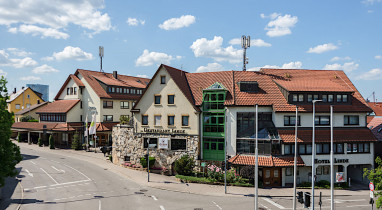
(205, 180)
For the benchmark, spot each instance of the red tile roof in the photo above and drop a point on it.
(60, 106)
(376, 107)
(105, 126)
(33, 125)
(375, 125)
(265, 161)
(77, 80)
(68, 127)
(323, 135)
(31, 108)
(54, 126)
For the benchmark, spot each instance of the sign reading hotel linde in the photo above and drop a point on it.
(317, 161)
(169, 131)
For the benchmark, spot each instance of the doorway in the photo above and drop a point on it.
(272, 177)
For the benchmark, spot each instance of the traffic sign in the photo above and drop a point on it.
(371, 186)
(371, 194)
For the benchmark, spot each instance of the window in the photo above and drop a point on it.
(151, 141)
(322, 148)
(171, 99)
(291, 120)
(108, 104)
(124, 104)
(157, 99)
(288, 149)
(17, 106)
(157, 119)
(133, 104)
(351, 120)
(304, 149)
(214, 100)
(338, 148)
(75, 90)
(322, 120)
(322, 170)
(358, 148)
(38, 101)
(67, 91)
(289, 171)
(108, 118)
(248, 146)
(342, 98)
(145, 119)
(127, 90)
(294, 98)
(28, 105)
(71, 91)
(330, 98)
(324, 98)
(178, 144)
(163, 79)
(300, 97)
(301, 149)
(81, 104)
(53, 117)
(170, 120)
(81, 118)
(310, 97)
(185, 120)
(132, 91)
(112, 89)
(308, 149)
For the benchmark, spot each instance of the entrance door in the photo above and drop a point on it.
(272, 177)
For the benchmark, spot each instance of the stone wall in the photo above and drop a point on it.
(127, 143)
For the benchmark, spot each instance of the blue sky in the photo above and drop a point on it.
(45, 41)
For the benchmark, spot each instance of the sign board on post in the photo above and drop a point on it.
(203, 164)
(340, 177)
(371, 186)
(163, 143)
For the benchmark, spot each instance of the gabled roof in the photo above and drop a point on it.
(58, 107)
(31, 108)
(376, 107)
(13, 96)
(375, 126)
(265, 161)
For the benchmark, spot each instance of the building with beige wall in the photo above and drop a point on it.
(23, 99)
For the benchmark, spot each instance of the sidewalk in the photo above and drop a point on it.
(171, 184)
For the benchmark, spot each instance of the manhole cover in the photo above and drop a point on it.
(98, 196)
(139, 193)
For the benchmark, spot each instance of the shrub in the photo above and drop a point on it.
(111, 158)
(39, 141)
(144, 162)
(27, 119)
(192, 179)
(76, 145)
(51, 142)
(248, 172)
(185, 165)
(18, 138)
(233, 177)
(323, 183)
(215, 172)
(305, 184)
(124, 120)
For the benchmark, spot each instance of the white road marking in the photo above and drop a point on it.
(78, 172)
(49, 175)
(29, 173)
(273, 203)
(33, 162)
(155, 199)
(58, 169)
(70, 183)
(217, 205)
(54, 161)
(264, 206)
(161, 207)
(99, 204)
(357, 206)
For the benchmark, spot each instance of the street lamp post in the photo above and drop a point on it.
(313, 150)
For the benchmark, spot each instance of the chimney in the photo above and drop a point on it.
(22, 88)
(115, 75)
(14, 91)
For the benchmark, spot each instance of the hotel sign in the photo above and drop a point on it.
(163, 143)
(317, 161)
(166, 131)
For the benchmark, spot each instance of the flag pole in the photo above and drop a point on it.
(331, 161)
(256, 163)
(295, 160)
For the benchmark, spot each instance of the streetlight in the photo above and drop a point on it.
(313, 150)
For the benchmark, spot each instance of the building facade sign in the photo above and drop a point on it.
(163, 143)
(166, 131)
(317, 161)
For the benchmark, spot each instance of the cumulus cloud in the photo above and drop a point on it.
(177, 23)
(142, 76)
(30, 78)
(150, 58)
(45, 18)
(348, 67)
(210, 68)
(378, 57)
(254, 42)
(213, 49)
(5, 60)
(279, 25)
(370, 2)
(135, 22)
(18, 52)
(290, 65)
(336, 58)
(3, 73)
(39, 31)
(69, 52)
(44, 69)
(374, 74)
(322, 48)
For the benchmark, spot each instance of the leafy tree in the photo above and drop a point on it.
(185, 165)
(76, 145)
(375, 175)
(39, 141)
(124, 120)
(51, 142)
(26, 118)
(9, 152)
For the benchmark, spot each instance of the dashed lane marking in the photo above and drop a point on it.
(161, 207)
(155, 199)
(33, 162)
(273, 203)
(49, 175)
(29, 173)
(217, 205)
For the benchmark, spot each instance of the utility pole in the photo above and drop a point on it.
(245, 43)
(331, 161)
(313, 150)
(295, 161)
(225, 151)
(256, 162)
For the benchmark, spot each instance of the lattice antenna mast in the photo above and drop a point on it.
(101, 55)
(245, 43)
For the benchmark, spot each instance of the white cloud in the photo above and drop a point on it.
(254, 42)
(378, 57)
(279, 25)
(150, 58)
(55, 15)
(135, 22)
(5, 60)
(69, 52)
(210, 68)
(322, 48)
(39, 31)
(290, 65)
(348, 67)
(3, 73)
(336, 58)
(29, 78)
(44, 69)
(370, 2)
(142, 76)
(18, 52)
(374, 74)
(213, 49)
(176, 23)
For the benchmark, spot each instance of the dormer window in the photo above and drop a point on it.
(297, 97)
(249, 86)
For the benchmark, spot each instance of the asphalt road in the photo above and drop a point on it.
(52, 181)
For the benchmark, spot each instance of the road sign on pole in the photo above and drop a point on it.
(371, 186)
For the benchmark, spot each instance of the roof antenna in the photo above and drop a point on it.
(101, 55)
(245, 43)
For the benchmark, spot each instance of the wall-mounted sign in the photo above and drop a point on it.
(317, 161)
(166, 131)
(163, 143)
(340, 177)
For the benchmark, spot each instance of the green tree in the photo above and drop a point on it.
(185, 165)
(76, 145)
(375, 175)
(51, 142)
(124, 120)
(9, 152)
(39, 141)
(26, 118)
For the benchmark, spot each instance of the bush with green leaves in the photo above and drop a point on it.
(185, 165)
(144, 162)
(323, 184)
(39, 142)
(51, 142)
(76, 144)
(124, 119)
(18, 138)
(375, 175)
